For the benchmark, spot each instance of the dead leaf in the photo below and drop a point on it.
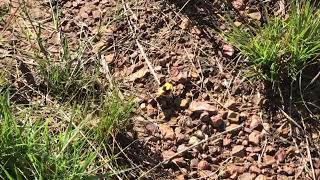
(139, 74)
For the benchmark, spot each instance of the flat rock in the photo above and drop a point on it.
(167, 132)
(238, 151)
(194, 163)
(235, 169)
(151, 128)
(233, 117)
(167, 154)
(181, 148)
(184, 103)
(231, 104)
(203, 165)
(261, 177)
(288, 170)
(254, 137)
(196, 106)
(254, 169)
(255, 15)
(180, 177)
(269, 160)
(226, 141)
(193, 140)
(255, 149)
(232, 126)
(246, 176)
(217, 121)
(256, 122)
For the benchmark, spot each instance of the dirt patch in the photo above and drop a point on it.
(213, 124)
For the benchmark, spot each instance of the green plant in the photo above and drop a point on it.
(282, 48)
(114, 115)
(31, 149)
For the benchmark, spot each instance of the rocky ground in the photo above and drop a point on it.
(213, 124)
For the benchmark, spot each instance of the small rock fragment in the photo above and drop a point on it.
(194, 163)
(151, 128)
(185, 23)
(269, 160)
(216, 121)
(202, 106)
(84, 15)
(245, 142)
(235, 169)
(109, 58)
(238, 150)
(255, 15)
(167, 132)
(228, 50)
(180, 177)
(231, 104)
(167, 154)
(255, 149)
(233, 117)
(246, 176)
(199, 134)
(234, 176)
(96, 14)
(181, 148)
(238, 4)
(281, 155)
(288, 170)
(185, 103)
(254, 169)
(261, 177)
(254, 137)
(256, 122)
(237, 23)
(193, 140)
(203, 165)
(139, 74)
(226, 141)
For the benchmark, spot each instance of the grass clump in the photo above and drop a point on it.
(281, 49)
(33, 149)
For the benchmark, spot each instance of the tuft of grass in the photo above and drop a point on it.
(114, 115)
(281, 49)
(32, 149)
